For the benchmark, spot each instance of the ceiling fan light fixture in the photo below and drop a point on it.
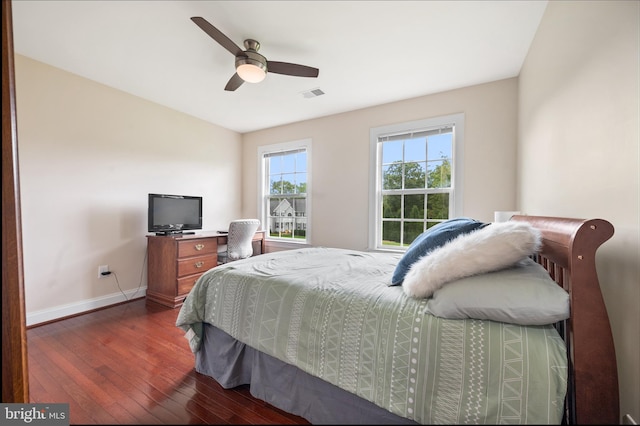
(250, 65)
(250, 70)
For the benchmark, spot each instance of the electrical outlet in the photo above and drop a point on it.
(101, 269)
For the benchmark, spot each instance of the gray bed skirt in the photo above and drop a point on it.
(232, 363)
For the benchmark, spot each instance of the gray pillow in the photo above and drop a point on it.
(523, 294)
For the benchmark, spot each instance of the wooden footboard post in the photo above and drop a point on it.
(571, 245)
(594, 357)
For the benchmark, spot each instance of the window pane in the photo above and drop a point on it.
(278, 206)
(390, 233)
(391, 152)
(392, 176)
(414, 175)
(301, 162)
(439, 174)
(275, 185)
(275, 165)
(301, 183)
(415, 149)
(300, 208)
(299, 228)
(411, 231)
(440, 146)
(288, 163)
(437, 206)
(391, 206)
(288, 183)
(414, 206)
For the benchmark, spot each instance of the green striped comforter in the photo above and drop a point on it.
(330, 313)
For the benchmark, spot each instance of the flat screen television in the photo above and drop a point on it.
(174, 214)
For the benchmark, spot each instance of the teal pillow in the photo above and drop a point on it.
(430, 239)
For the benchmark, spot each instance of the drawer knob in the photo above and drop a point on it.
(199, 264)
(199, 246)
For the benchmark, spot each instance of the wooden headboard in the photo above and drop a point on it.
(568, 253)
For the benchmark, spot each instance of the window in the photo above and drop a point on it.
(284, 190)
(416, 171)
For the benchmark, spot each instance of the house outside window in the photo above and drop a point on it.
(416, 171)
(284, 190)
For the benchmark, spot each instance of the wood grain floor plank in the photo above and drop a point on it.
(54, 392)
(130, 364)
(140, 375)
(86, 390)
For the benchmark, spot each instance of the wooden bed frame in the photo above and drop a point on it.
(568, 253)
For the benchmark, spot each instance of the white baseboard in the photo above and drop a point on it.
(58, 312)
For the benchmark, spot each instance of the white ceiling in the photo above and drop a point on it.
(368, 52)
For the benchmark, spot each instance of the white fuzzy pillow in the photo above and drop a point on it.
(491, 248)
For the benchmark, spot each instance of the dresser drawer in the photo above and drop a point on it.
(194, 265)
(197, 247)
(186, 284)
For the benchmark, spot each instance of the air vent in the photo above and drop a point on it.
(312, 93)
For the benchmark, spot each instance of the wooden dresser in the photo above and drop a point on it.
(176, 262)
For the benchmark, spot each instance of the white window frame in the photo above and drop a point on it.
(264, 186)
(375, 178)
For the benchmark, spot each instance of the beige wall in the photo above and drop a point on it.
(340, 158)
(579, 99)
(88, 157)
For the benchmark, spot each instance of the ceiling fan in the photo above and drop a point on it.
(251, 66)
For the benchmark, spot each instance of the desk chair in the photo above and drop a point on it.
(239, 239)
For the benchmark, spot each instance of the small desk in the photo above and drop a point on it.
(258, 241)
(175, 262)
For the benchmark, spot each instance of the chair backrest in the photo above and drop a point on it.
(241, 234)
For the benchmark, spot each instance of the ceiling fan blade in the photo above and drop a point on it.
(234, 82)
(291, 69)
(217, 35)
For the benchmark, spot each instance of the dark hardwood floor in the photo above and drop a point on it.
(130, 364)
